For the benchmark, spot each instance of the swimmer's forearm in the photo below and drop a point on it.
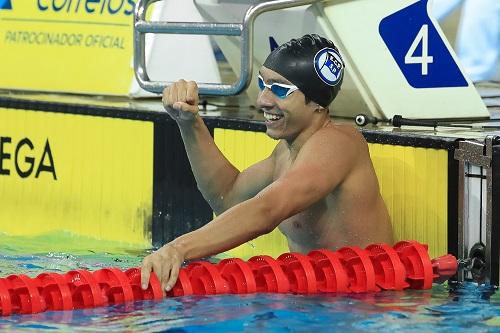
(234, 227)
(213, 172)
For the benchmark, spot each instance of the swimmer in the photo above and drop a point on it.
(318, 186)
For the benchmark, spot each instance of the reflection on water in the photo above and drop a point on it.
(465, 309)
(462, 308)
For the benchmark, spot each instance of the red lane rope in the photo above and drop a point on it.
(350, 269)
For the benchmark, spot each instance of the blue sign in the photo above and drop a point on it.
(5, 4)
(419, 51)
(272, 43)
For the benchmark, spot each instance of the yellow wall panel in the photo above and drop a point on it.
(103, 169)
(414, 185)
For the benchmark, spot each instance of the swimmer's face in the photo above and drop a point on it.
(285, 117)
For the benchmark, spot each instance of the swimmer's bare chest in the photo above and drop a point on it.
(308, 230)
(311, 228)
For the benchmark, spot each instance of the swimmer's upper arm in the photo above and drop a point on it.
(322, 164)
(248, 183)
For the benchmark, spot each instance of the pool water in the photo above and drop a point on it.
(462, 308)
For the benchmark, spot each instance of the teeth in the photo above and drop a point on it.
(270, 116)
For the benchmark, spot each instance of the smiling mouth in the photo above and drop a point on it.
(272, 117)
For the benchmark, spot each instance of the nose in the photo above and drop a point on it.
(266, 99)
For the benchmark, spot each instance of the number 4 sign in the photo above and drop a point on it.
(418, 49)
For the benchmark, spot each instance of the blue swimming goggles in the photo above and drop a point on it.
(281, 90)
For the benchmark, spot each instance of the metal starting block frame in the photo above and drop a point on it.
(478, 228)
(244, 30)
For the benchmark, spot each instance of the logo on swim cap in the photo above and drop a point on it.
(329, 66)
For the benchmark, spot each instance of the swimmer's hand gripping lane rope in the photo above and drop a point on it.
(350, 269)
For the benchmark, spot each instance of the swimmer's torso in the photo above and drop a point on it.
(352, 214)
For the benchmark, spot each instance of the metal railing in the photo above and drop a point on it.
(244, 30)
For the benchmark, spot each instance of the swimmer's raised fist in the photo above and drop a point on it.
(180, 99)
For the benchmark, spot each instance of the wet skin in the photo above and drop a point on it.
(318, 186)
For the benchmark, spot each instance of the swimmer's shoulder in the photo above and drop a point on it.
(337, 146)
(345, 135)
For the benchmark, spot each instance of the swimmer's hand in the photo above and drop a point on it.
(166, 263)
(180, 99)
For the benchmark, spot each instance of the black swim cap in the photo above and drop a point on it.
(313, 64)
